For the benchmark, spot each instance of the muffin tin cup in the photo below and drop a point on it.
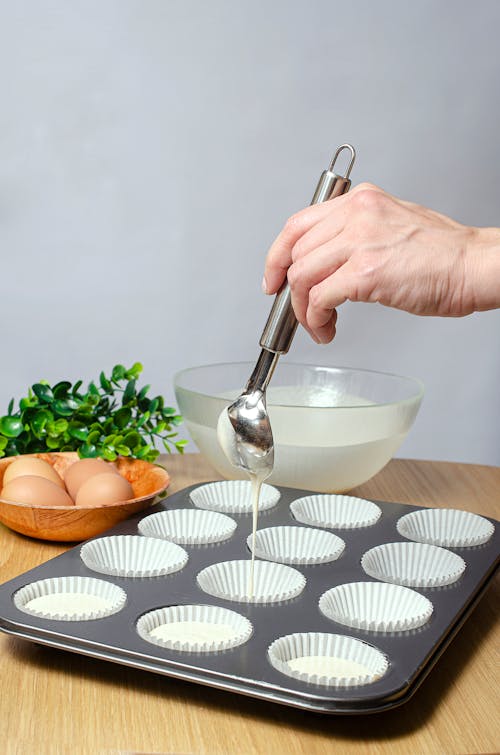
(297, 545)
(413, 564)
(231, 580)
(70, 598)
(335, 511)
(233, 497)
(188, 526)
(330, 660)
(452, 528)
(194, 628)
(376, 606)
(133, 556)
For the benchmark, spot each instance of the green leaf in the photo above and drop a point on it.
(77, 387)
(43, 392)
(65, 406)
(129, 392)
(118, 372)
(61, 389)
(94, 436)
(122, 417)
(52, 443)
(3, 443)
(105, 383)
(11, 406)
(108, 453)
(11, 427)
(123, 450)
(87, 451)
(40, 419)
(132, 439)
(142, 392)
(78, 430)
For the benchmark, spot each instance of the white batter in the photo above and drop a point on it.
(68, 603)
(193, 632)
(326, 665)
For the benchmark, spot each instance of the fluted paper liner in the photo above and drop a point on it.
(182, 619)
(451, 528)
(335, 511)
(230, 580)
(70, 598)
(376, 606)
(133, 556)
(188, 526)
(413, 564)
(233, 496)
(297, 545)
(369, 663)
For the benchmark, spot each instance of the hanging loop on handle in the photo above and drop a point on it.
(281, 324)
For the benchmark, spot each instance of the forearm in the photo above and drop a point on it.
(483, 253)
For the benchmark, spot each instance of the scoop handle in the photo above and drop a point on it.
(281, 324)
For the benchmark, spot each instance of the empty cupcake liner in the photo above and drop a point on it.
(188, 526)
(296, 545)
(335, 511)
(452, 528)
(194, 628)
(133, 556)
(70, 598)
(233, 496)
(376, 606)
(413, 564)
(331, 660)
(231, 580)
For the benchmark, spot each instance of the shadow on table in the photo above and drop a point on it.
(385, 725)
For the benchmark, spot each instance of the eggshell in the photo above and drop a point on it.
(102, 489)
(30, 465)
(36, 491)
(82, 470)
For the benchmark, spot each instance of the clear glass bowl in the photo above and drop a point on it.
(333, 427)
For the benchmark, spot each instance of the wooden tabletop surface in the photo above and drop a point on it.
(52, 701)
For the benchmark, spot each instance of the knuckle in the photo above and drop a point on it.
(295, 274)
(369, 198)
(316, 297)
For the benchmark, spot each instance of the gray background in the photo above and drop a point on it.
(150, 152)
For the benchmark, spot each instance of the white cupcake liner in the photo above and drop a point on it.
(413, 564)
(233, 496)
(188, 526)
(133, 556)
(451, 528)
(296, 545)
(335, 511)
(230, 580)
(70, 598)
(376, 606)
(343, 661)
(199, 621)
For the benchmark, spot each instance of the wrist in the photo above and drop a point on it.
(483, 268)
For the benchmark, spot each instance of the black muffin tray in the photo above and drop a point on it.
(246, 669)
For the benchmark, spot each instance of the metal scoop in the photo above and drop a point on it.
(244, 430)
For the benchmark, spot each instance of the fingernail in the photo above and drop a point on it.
(264, 285)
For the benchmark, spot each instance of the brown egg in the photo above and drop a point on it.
(37, 491)
(31, 465)
(80, 471)
(102, 489)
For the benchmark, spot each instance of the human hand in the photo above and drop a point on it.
(370, 246)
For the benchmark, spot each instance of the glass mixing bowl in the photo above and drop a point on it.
(333, 427)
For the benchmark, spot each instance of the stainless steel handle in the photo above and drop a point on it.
(281, 324)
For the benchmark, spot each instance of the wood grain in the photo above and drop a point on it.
(57, 702)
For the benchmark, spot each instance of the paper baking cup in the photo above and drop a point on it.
(376, 606)
(188, 526)
(133, 556)
(70, 598)
(332, 660)
(296, 545)
(233, 496)
(336, 511)
(449, 527)
(413, 564)
(230, 580)
(194, 628)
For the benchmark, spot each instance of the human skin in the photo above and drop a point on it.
(369, 246)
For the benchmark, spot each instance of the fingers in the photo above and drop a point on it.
(279, 257)
(323, 300)
(310, 270)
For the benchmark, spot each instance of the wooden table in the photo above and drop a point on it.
(54, 702)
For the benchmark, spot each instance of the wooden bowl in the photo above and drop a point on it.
(75, 523)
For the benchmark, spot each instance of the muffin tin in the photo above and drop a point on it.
(355, 633)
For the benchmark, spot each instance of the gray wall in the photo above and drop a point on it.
(150, 151)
